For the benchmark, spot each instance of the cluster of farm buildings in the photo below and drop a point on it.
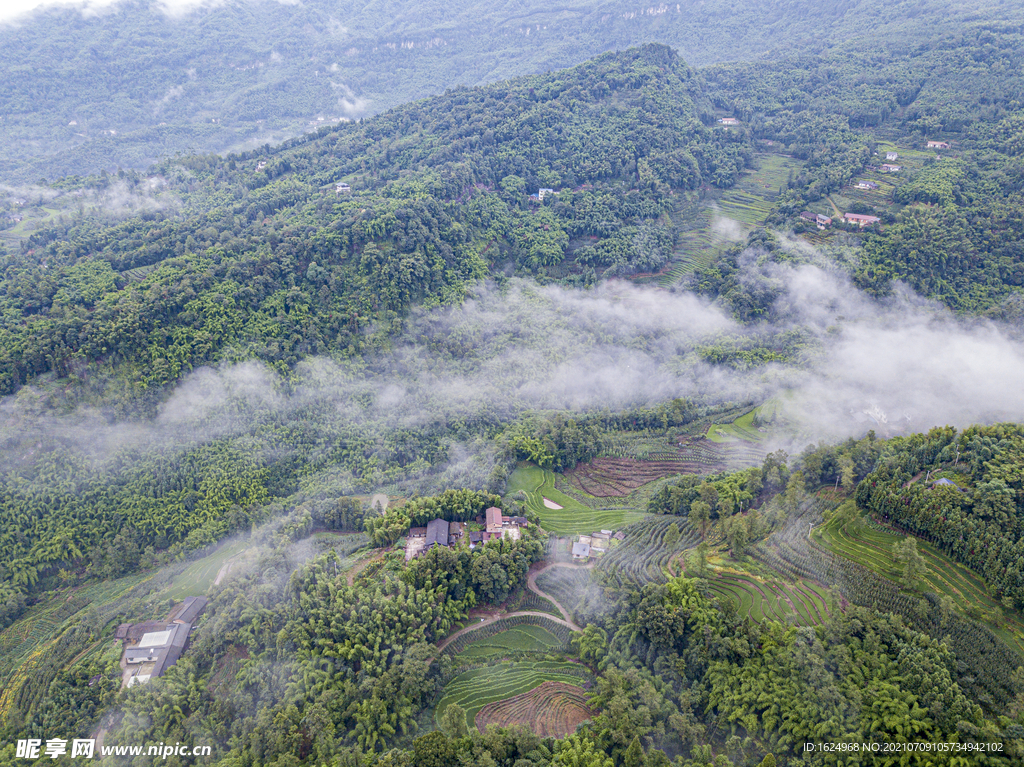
(594, 545)
(491, 527)
(152, 647)
(860, 219)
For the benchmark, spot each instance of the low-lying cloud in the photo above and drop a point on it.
(899, 365)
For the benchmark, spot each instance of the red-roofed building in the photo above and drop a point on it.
(860, 219)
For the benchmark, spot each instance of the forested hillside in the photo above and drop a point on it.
(623, 303)
(266, 258)
(134, 84)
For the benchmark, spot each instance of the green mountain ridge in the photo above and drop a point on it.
(131, 86)
(209, 367)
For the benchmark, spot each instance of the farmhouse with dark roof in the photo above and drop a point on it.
(437, 534)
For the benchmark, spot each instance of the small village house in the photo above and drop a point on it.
(861, 220)
(938, 145)
(437, 534)
(816, 218)
(495, 524)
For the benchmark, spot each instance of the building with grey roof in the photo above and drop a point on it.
(437, 533)
(580, 551)
(155, 646)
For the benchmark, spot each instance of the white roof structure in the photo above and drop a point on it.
(155, 639)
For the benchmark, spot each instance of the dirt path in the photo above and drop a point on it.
(914, 479)
(222, 573)
(491, 617)
(531, 581)
(362, 565)
(81, 654)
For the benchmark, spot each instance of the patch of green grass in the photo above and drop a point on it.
(197, 579)
(740, 430)
(574, 517)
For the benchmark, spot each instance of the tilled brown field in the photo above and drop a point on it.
(611, 477)
(551, 710)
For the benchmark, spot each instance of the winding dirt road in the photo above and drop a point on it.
(492, 617)
(531, 582)
(486, 617)
(489, 617)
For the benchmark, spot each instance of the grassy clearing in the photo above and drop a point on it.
(197, 579)
(573, 517)
(475, 689)
(740, 430)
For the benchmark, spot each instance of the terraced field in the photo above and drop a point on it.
(642, 556)
(574, 517)
(694, 250)
(532, 602)
(752, 198)
(988, 654)
(139, 273)
(573, 587)
(801, 602)
(550, 710)
(746, 204)
(24, 644)
(513, 634)
(526, 638)
(618, 477)
(872, 548)
(473, 690)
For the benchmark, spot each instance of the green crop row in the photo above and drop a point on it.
(473, 690)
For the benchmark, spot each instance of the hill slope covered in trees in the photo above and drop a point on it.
(132, 85)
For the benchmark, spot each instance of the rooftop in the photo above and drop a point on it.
(437, 533)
